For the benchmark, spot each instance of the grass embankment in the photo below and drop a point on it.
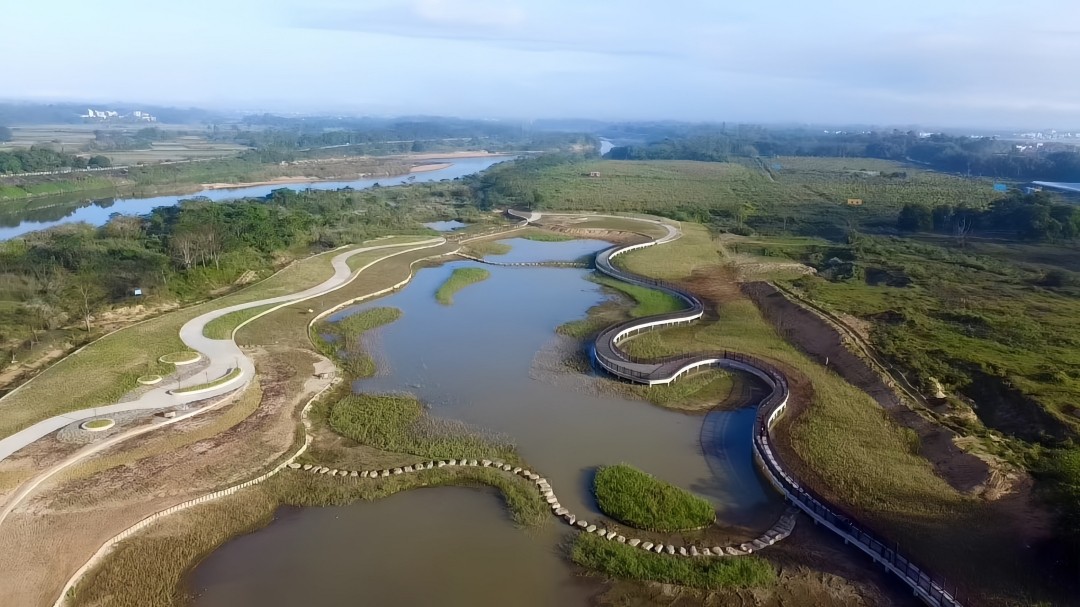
(346, 347)
(398, 423)
(846, 445)
(9, 192)
(223, 327)
(545, 236)
(458, 280)
(224, 379)
(107, 369)
(620, 560)
(645, 502)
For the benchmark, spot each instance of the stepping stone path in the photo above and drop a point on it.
(783, 527)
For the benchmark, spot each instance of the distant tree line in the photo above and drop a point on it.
(1034, 217)
(985, 156)
(43, 158)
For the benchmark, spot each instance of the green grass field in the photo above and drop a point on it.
(807, 196)
(224, 379)
(458, 280)
(645, 502)
(222, 327)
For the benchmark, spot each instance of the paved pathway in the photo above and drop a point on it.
(223, 355)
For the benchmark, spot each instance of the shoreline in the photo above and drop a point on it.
(422, 168)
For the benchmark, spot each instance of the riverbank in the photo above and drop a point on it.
(287, 180)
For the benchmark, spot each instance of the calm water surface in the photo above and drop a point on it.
(22, 217)
(476, 361)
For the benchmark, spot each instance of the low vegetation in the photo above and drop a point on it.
(224, 379)
(640, 500)
(223, 326)
(849, 449)
(647, 301)
(484, 248)
(458, 280)
(345, 345)
(398, 423)
(620, 560)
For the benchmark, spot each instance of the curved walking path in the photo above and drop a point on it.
(223, 354)
(609, 356)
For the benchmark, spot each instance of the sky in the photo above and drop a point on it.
(974, 63)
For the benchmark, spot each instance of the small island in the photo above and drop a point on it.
(459, 279)
(645, 502)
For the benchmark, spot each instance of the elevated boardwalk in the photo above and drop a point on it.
(610, 357)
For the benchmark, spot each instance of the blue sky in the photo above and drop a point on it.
(995, 63)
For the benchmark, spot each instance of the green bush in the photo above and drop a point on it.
(645, 502)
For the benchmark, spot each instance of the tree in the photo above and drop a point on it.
(99, 162)
(915, 218)
(86, 291)
(5, 134)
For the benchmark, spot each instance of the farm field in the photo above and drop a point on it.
(806, 196)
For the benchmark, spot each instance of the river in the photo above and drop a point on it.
(485, 360)
(21, 217)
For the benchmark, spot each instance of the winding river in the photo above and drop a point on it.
(20, 217)
(560, 423)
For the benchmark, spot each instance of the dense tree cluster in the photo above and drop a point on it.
(1029, 216)
(37, 159)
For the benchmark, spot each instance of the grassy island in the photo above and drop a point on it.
(459, 279)
(640, 500)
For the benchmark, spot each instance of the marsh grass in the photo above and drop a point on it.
(645, 502)
(458, 280)
(345, 346)
(648, 301)
(484, 248)
(398, 423)
(620, 560)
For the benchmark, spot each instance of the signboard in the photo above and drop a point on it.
(138, 292)
(1001, 187)
(854, 202)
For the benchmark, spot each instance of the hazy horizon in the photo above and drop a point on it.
(990, 64)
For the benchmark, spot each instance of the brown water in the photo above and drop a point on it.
(474, 361)
(449, 546)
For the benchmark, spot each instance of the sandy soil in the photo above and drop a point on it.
(424, 168)
(52, 534)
